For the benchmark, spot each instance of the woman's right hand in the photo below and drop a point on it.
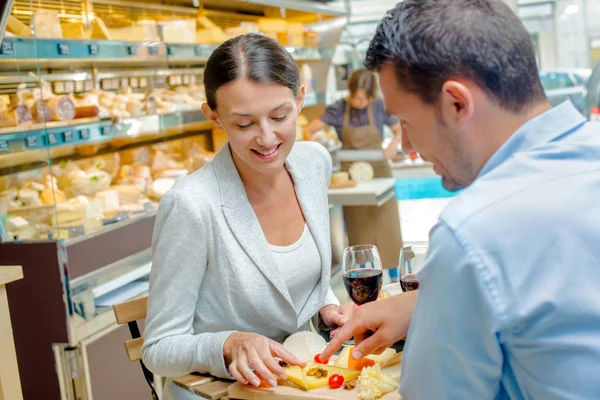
(245, 352)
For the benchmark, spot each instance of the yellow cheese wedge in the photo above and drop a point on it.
(298, 378)
(382, 359)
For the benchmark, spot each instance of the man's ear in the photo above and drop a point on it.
(212, 116)
(456, 103)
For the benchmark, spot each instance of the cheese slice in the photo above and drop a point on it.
(298, 377)
(382, 359)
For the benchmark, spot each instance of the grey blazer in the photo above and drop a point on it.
(213, 272)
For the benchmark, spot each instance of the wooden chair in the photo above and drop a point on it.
(204, 386)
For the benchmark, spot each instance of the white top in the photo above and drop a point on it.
(213, 272)
(300, 264)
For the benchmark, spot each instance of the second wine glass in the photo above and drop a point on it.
(363, 273)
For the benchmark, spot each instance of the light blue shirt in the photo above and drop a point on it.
(509, 299)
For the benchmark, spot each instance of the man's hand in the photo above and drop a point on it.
(389, 320)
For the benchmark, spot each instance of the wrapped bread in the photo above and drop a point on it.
(62, 108)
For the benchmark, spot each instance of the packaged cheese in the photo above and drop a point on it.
(269, 25)
(47, 24)
(211, 36)
(15, 26)
(178, 31)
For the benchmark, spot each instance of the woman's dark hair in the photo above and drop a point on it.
(365, 80)
(431, 41)
(252, 56)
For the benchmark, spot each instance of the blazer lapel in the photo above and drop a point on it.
(243, 221)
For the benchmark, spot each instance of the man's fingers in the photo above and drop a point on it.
(370, 345)
(342, 335)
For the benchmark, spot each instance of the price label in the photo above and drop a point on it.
(153, 50)
(94, 49)
(31, 141)
(133, 50)
(84, 134)
(52, 139)
(105, 130)
(7, 48)
(4, 146)
(68, 136)
(64, 49)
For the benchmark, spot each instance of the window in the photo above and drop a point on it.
(556, 80)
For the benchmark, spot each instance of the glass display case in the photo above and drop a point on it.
(99, 117)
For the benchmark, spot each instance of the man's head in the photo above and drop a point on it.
(461, 75)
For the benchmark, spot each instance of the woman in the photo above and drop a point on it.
(241, 251)
(359, 122)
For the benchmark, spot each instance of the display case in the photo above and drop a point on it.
(99, 116)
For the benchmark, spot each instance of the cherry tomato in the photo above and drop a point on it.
(336, 381)
(318, 360)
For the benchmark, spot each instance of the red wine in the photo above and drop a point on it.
(409, 282)
(363, 285)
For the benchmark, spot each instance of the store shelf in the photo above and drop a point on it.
(302, 5)
(64, 49)
(86, 131)
(93, 130)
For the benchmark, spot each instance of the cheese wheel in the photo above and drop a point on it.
(15, 115)
(305, 345)
(41, 112)
(62, 108)
(361, 172)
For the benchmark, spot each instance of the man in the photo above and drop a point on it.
(509, 299)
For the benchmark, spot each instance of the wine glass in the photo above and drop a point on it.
(412, 259)
(363, 273)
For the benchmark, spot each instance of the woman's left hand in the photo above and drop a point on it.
(336, 316)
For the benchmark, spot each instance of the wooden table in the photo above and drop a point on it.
(10, 382)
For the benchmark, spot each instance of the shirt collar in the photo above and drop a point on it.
(542, 129)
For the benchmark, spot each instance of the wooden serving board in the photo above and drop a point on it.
(244, 392)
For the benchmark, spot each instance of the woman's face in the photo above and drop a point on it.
(359, 99)
(260, 121)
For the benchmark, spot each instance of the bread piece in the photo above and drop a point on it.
(340, 177)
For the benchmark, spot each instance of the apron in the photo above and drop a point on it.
(379, 226)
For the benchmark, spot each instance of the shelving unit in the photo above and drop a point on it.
(63, 354)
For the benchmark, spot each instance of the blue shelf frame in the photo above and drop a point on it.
(65, 49)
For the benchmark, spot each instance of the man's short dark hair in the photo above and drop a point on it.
(431, 41)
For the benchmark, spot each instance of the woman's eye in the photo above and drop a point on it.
(279, 119)
(245, 126)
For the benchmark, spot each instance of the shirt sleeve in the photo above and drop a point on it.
(178, 266)
(452, 351)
